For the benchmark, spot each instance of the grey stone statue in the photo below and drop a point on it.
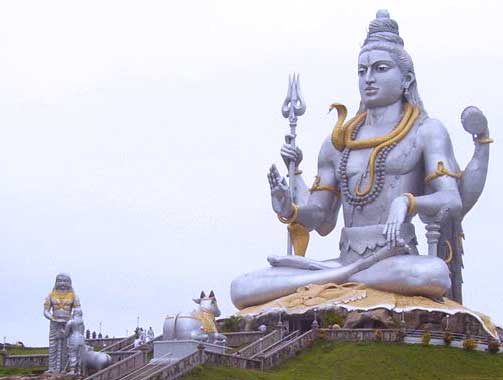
(75, 341)
(94, 360)
(58, 308)
(388, 163)
(199, 325)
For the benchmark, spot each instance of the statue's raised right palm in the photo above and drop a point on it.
(280, 195)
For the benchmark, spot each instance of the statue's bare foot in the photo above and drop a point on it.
(438, 299)
(300, 262)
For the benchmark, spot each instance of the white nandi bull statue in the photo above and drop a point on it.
(199, 325)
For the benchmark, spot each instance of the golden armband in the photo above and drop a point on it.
(440, 171)
(317, 187)
(411, 208)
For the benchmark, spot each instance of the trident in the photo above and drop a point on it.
(293, 106)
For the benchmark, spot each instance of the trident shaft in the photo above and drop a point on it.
(293, 106)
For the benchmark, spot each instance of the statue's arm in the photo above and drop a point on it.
(322, 206)
(475, 173)
(437, 148)
(68, 328)
(76, 302)
(47, 308)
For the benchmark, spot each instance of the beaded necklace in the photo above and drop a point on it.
(382, 145)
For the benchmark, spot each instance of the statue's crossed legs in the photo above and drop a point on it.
(388, 268)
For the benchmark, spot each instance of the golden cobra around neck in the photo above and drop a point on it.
(341, 137)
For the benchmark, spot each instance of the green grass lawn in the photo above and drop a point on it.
(27, 350)
(5, 372)
(22, 371)
(375, 361)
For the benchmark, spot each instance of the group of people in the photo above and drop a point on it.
(93, 335)
(143, 337)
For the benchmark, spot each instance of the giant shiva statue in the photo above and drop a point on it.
(388, 163)
(58, 308)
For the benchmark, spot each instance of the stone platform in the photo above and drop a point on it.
(364, 307)
(173, 350)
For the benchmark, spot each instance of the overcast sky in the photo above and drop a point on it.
(136, 137)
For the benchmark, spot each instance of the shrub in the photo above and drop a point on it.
(330, 318)
(322, 334)
(448, 338)
(231, 324)
(309, 343)
(469, 344)
(493, 346)
(379, 335)
(425, 339)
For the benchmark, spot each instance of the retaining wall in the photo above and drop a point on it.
(361, 335)
(25, 361)
(238, 339)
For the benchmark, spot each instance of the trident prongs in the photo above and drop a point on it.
(294, 104)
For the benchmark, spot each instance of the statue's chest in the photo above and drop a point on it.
(62, 300)
(402, 159)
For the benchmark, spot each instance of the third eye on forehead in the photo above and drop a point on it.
(375, 64)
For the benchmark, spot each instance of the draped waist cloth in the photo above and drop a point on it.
(363, 241)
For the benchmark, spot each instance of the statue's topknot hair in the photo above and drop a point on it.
(383, 28)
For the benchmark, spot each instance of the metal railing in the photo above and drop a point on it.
(121, 368)
(480, 340)
(149, 369)
(259, 345)
(146, 345)
(120, 345)
(273, 347)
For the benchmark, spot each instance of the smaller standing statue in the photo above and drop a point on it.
(199, 325)
(74, 333)
(150, 334)
(58, 308)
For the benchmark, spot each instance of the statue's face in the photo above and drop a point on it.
(211, 305)
(380, 79)
(63, 282)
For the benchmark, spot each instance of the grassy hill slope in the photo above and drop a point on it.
(376, 361)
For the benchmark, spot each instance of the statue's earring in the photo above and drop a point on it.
(406, 91)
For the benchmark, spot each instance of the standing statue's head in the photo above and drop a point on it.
(63, 282)
(77, 312)
(385, 69)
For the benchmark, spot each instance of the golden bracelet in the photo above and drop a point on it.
(411, 207)
(297, 172)
(292, 218)
(485, 140)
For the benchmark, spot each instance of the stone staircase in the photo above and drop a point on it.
(149, 369)
(132, 363)
(266, 352)
(125, 359)
(259, 345)
(285, 341)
